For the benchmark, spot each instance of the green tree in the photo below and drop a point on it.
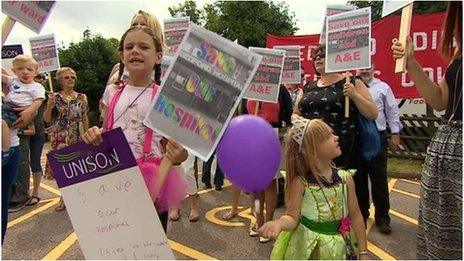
(188, 9)
(419, 7)
(247, 21)
(92, 58)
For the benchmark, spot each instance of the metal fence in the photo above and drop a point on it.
(415, 136)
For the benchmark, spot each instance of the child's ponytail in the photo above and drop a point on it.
(120, 73)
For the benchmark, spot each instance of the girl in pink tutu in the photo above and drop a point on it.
(127, 103)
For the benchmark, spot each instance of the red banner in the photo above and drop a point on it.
(426, 35)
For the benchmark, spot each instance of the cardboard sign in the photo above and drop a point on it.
(391, 6)
(333, 10)
(44, 51)
(348, 42)
(174, 32)
(100, 185)
(32, 14)
(201, 89)
(292, 64)
(265, 84)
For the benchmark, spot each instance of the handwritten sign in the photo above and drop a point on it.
(292, 64)
(32, 14)
(201, 89)
(333, 10)
(348, 41)
(174, 32)
(99, 185)
(265, 84)
(391, 6)
(44, 51)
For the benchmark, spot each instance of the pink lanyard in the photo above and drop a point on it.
(110, 117)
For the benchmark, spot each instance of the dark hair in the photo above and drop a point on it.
(319, 49)
(158, 47)
(452, 27)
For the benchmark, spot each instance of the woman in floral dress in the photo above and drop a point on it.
(66, 111)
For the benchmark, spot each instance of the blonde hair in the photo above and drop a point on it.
(302, 163)
(63, 70)
(154, 24)
(24, 58)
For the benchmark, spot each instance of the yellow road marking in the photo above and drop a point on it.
(61, 248)
(34, 212)
(50, 189)
(371, 219)
(410, 181)
(379, 252)
(211, 217)
(226, 184)
(404, 217)
(405, 193)
(189, 251)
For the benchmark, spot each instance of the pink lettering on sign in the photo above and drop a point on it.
(288, 74)
(46, 63)
(31, 13)
(257, 88)
(348, 57)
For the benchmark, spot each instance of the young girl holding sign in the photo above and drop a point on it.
(321, 200)
(140, 50)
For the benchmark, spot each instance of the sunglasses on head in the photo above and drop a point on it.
(318, 56)
(69, 77)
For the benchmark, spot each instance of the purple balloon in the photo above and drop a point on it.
(249, 153)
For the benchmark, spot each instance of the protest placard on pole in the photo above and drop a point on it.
(174, 32)
(265, 84)
(32, 14)
(333, 10)
(405, 27)
(201, 89)
(348, 43)
(292, 64)
(391, 6)
(99, 185)
(44, 51)
(8, 53)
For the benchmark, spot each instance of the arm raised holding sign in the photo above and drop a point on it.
(127, 104)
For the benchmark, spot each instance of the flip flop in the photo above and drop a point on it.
(194, 216)
(229, 215)
(32, 201)
(174, 214)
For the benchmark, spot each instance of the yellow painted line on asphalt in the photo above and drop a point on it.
(61, 248)
(226, 184)
(189, 251)
(379, 252)
(404, 217)
(34, 212)
(211, 217)
(371, 219)
(410, 181)
(405, 193)
(50, 189)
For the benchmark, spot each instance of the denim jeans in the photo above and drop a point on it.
(9, 172)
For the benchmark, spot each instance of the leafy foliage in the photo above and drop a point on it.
(92, 58)
(247, 21)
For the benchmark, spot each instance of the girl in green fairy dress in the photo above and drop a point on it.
(321, 202)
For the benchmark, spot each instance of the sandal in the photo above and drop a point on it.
(194, 215)
(174, 214)
(32, 201)
(61, 206)
(229, 215)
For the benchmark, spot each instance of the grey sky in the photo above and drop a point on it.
(110, 18)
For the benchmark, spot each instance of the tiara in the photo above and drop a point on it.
(299, 128)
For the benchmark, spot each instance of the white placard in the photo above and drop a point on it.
(333, 10)
(292, 64)
(44, 51)
(32, 14)
(391, 6)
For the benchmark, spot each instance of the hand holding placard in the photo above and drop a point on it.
(406, 16)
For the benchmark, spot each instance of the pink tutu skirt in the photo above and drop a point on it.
(174, 189)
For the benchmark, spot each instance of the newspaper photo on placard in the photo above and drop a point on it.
(348, 41)
(44, 51)
(174, 32)
(265, 84)
(99, 185)
(32, 14)
(201, 89)
(292, 64)
(333, 10)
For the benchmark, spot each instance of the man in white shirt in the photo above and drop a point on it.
(377, 168)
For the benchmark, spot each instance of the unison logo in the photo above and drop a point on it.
(84, 162)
